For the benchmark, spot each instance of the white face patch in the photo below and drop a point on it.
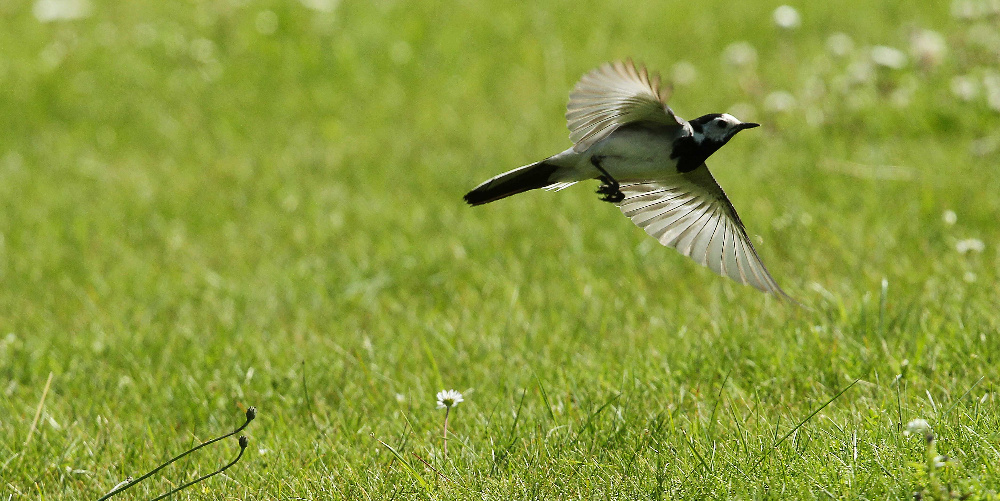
(721, 127)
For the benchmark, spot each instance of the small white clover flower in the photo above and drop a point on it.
(889, 57)
(991, 82)
(917, 427)
(969, 244)
(740, 55)
(61, 10)
(684, 73)
(840, 44)
(786, 17)
(928, 48)
(779, 101)
(949, 217)
(860, 72)
(446, 399)
(971, 10)
(325, 6)
(965, 87)
(742, 109)
(266, 22)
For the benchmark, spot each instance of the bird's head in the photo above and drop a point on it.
(718, 127)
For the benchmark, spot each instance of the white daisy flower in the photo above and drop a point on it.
(446, 399)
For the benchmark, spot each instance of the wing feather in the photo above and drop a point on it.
(692, 214)
(613, 95)
(715, 249)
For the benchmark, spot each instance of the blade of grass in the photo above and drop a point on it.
(801, 423)
(952, 406)
(690, 444)
(711, 419)
(308, 398)
(590, 419)
(545, 396)
(434, 365)
(409, 469)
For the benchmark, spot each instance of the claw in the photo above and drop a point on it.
(613, 197)
(609, 188)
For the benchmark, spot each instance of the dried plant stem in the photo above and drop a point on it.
(38, 411)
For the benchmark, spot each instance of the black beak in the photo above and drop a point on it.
(746, 125)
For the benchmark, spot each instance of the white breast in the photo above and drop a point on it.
(636, 154)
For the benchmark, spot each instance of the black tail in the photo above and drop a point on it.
(509, 183)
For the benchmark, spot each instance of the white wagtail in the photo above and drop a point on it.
(652, 165)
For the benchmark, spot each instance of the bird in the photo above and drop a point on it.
(651, 164)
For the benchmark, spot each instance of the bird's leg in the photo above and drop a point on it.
(610, 188)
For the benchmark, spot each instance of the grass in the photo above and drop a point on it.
(210, 205)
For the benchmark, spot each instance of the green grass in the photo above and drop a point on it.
(211, 205)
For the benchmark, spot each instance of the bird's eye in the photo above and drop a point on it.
(722, 123)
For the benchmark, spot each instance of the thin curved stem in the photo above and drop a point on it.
(251, 413)
(243, 447)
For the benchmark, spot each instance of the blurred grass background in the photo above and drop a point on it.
(212, 205)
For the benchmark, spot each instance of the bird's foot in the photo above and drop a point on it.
(611, 190)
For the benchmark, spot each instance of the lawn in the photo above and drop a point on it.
(212, 205)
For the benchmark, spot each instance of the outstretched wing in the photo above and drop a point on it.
(692, 214)
(614, 95)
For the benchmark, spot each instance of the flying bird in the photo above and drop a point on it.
(651, 164)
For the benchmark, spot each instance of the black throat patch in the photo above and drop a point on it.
(690, 154)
